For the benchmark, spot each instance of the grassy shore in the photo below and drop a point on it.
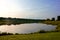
(36, 36)
(54, 23)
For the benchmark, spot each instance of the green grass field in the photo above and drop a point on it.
(36, 36)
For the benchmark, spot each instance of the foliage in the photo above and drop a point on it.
(5, 33)
(42, 31)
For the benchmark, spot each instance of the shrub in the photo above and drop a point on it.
(16, 33)
(9, 33)
(42, 31)
(4, 33)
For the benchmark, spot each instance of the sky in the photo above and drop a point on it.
(33, 9)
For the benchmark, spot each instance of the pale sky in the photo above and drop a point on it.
(37, 9)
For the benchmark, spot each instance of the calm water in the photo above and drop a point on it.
(26, 28)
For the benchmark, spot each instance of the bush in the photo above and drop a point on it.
(16, 33)
(4, 33)
(42, 31)
(10, 34)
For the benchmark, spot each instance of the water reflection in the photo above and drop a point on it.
(26, 28)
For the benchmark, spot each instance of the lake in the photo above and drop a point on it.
(26, 28)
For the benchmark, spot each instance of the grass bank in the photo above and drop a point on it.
(37, 36)
(54, 23)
